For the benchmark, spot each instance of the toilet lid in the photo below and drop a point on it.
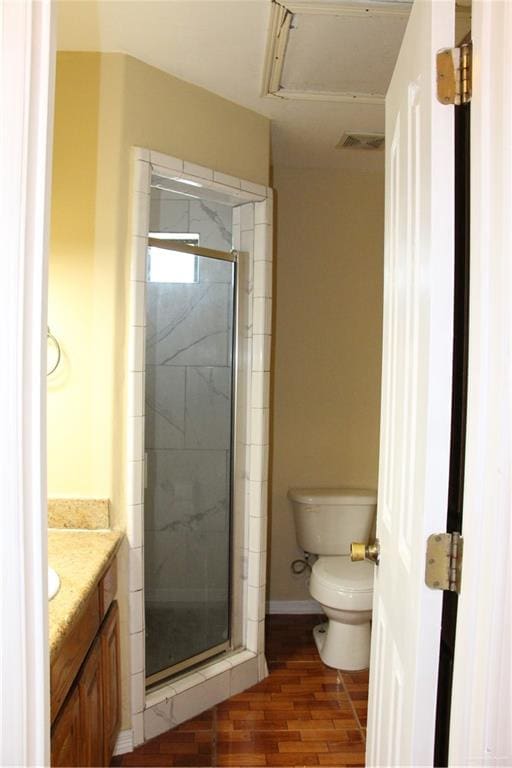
(343, 575)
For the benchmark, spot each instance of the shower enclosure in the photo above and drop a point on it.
(190, 333)
(198, 528)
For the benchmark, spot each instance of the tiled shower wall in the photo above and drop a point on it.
(188, 414)
(211, 221)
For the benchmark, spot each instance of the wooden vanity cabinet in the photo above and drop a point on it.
(85, 729)
(110, 655)
(66, 733)
(90, 689)
(107, 590)
(66, 666)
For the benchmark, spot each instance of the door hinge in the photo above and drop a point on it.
(443, 568)
(454, 74)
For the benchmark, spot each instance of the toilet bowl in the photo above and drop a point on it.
(326, 521)
(345, 591)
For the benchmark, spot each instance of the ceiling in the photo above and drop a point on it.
(220, 45)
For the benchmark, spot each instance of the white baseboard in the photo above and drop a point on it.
(293, 606)
(124, 743)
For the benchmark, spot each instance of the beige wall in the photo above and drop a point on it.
(71, 276)
(105, 104)
(327, 352)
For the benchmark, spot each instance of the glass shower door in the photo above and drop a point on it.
(188, 444)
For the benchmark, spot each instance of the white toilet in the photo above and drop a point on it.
(327, 520)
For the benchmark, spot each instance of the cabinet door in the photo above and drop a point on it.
(65, 667)
(66, 733)
(111, 680)
(91, 708)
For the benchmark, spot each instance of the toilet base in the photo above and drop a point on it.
(343, 646)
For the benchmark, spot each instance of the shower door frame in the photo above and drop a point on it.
(155, 711)
(231, 257)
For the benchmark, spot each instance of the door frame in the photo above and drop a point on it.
(27, 57)
(481, 695)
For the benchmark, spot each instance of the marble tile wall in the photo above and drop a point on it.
(210, 220)
(188, 415)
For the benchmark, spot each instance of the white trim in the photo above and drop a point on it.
(341, 96)
(390, 8)
(277, 40)
(27, 58)
(124, 743)
(294, 606)
(480, 732)
(239, 190)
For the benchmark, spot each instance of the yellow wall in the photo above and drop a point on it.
(71, 276)
(105, 104)
(327, 352)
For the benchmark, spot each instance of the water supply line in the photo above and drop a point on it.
(301, 564)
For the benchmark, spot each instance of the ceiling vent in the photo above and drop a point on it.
(361, 141)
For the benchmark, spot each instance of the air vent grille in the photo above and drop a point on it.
(361, 141)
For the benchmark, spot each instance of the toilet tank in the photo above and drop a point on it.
(327, 520)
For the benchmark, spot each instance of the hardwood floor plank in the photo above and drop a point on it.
(247, 748)
(178, 748)
(134, 760)
(292, 759)
(176, 736)
(334, 735)
(261, 725)
(183, 761)
(303, 725)
(316, 747)
(242, 714)
(271, 705)
(242, 760)
(329, 695)
(341, 711)
(341, 759)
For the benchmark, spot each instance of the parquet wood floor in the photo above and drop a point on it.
(302, 714)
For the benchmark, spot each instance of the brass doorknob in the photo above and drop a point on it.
(369, 552)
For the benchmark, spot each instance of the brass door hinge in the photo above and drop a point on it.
(454, 74)
(443, 568)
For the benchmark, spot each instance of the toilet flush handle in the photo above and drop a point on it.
(369, 552)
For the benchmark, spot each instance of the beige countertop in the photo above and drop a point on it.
(80, 558)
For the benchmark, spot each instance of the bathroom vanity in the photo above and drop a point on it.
(84, 647)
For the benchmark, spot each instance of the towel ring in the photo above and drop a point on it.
(52, 338)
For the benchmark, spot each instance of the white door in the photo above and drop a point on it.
(416, 394)
(27, 56)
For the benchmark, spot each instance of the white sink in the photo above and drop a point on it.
(53, 583)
